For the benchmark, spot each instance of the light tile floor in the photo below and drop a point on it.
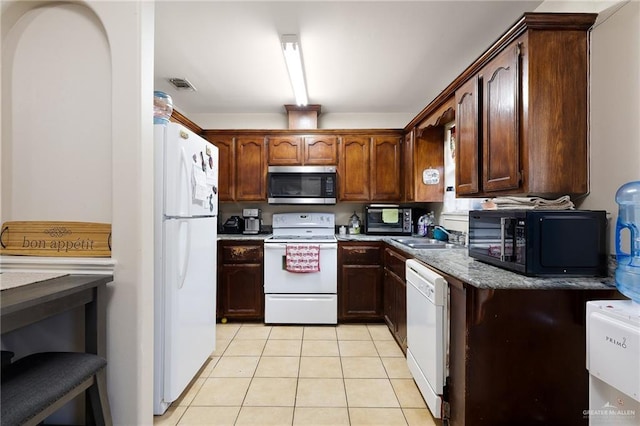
(302, 375)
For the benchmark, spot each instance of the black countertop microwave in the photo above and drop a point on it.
(541, 242)
(302, 185)
(387, 219)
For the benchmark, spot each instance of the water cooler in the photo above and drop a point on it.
(613, 361)
(613, 327)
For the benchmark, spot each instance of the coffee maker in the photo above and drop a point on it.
(252, 220)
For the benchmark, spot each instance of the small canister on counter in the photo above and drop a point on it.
(354, 224)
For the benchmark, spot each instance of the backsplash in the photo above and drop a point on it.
(455, 222)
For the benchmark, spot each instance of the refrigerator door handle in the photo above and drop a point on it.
(186, 181)
(184, 252)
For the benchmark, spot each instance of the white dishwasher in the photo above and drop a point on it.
(427, 332)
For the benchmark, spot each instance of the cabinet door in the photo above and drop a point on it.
(467, 128)
(226, 163)
(428, 153)
(321, 150)
(501, 123)
(389, 305)
(385, 168)
(251, 171)
(407, 166)
(354, 168)
(284, 151)
(241, 292)
(401, 312)
(360, 293)
(395, 296)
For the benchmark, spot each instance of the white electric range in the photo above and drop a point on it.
(301, 270)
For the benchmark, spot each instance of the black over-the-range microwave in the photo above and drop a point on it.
(541, 242)
(302, 185)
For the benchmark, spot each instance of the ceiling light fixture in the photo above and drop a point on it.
(293, 58)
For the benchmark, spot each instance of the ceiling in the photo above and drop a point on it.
(359, 57)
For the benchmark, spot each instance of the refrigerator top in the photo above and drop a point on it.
(187, 173)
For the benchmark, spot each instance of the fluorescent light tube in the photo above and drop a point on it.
(293, 58)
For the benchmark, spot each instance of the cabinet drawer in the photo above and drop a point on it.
(241, 253)
(360, 254)
(395, 262)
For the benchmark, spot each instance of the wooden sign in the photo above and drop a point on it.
(62, 239)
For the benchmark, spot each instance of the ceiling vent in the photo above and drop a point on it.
(182, 84)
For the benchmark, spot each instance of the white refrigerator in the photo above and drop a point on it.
(186, 209)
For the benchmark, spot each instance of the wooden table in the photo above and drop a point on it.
(27, 304)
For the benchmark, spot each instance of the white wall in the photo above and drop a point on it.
(615, 109)
(77, 90)
(57, 117)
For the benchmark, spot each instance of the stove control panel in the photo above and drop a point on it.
(304, 220)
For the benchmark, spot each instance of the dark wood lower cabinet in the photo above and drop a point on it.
(517, 357)
(395, 295)
(240, 280)
(360, 282)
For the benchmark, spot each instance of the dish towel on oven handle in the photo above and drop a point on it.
(302, 258)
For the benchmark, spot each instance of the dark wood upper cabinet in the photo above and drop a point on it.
(321, 150)
(369, 168)
(385, 168)
(354, 168)
(428, 154)
(467, 129)
(501, 120)
(284, 150)
(522, 111)
(302, 150)
(226, 165)
(251, 169)
(408, 170)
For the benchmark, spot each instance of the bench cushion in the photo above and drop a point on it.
(36, 381)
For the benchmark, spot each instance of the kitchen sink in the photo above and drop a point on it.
(422, 243)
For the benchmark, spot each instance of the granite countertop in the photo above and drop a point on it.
(457, 263)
